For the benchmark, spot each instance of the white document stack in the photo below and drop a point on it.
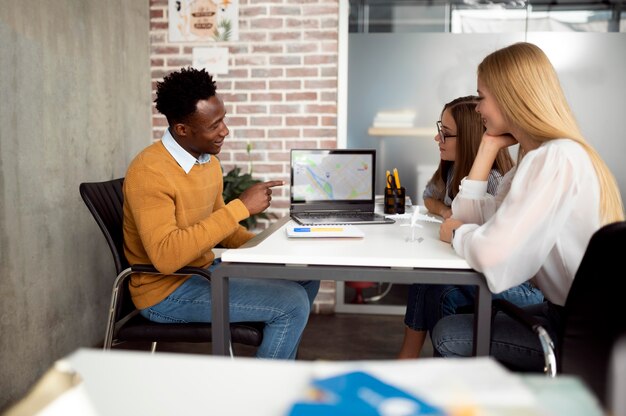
(394, 118)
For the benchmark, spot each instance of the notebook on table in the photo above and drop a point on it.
(334, 186)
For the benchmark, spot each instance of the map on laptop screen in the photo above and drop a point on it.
(331, 177)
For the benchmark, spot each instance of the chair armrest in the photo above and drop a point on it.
(533, 324)
(149, 268)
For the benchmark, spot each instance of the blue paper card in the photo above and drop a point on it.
(359, 393)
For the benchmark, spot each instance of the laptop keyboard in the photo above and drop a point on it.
(323, 215)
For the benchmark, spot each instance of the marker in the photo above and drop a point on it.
(309, 229)
(397, 177)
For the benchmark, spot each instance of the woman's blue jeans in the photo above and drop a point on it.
(427, 304)
(512, 343)
(283, 305)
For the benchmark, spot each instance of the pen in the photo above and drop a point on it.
(387, 179)
(397, 177)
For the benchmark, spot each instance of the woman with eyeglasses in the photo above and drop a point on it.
(547, 208)
(458, 135)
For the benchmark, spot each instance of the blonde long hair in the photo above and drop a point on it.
(528, 92)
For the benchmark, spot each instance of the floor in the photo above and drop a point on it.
(326, 337)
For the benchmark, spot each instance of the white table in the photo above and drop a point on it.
(383, 255)
(138, 383)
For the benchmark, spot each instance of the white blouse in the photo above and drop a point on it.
(539, 223)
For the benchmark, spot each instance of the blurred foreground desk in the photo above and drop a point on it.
(385, 254)
(138, 383)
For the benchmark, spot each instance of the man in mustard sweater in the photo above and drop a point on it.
(174, 215)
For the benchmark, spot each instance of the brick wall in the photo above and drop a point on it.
(280, 92)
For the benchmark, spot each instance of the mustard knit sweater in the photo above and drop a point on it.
(173, 219)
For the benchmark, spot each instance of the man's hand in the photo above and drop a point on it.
(257, 197)
(445, 231)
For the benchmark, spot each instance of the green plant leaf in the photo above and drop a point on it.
(235, 183)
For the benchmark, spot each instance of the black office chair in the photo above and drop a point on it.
(105, 201)
(593, 314)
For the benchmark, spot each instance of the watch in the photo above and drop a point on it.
(452, 241)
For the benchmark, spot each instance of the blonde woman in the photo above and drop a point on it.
(547, 207)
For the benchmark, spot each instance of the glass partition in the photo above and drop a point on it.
(406, 59)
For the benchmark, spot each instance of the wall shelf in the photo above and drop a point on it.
(402, 131)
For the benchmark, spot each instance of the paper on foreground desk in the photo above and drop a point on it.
(137, 383)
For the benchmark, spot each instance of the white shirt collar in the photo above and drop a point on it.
(182, 157)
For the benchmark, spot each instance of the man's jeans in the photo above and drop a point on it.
(283, 305)
(427, 304)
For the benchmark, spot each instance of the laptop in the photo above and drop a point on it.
(334, 186)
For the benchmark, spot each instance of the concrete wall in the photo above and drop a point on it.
(74, 106)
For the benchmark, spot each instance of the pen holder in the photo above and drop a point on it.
(395, 200)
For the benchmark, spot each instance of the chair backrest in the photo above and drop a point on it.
(594, 315)
(105, 201)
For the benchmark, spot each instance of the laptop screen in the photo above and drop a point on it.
(333, 175)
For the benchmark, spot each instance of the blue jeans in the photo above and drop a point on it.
(512, 343)
(283, 305)
(427, 304)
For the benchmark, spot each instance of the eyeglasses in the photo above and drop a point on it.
(442, 135)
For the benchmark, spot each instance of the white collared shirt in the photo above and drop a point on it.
(182, 157)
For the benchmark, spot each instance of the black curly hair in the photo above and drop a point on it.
(180, 91)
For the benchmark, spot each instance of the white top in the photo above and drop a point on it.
(538, 225)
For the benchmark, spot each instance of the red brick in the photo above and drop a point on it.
(329, 71)
(231, 97)
(314, 108)
(266, 72)
(317, 10)
(266, 23)
(285, 11)
(266, 96)
(302, 24)
(285, 85)
(267, 49)
(266, 168)
(302, 47)
(158, 25)
(233, 122)
(165, 50)
(285, 60)
(268, 145)
(248, 133)
(283, 133)
(313, 84)
(251, 109)
(179, 62)
(285, 36)
(250, 85)
(320, 35)
(320, 59)
(303, 72)
(319, 133)
(266, 121)
(301, 96)
(301, 121)
(329, 96)
(252, 11)
(223, 85)
(330, 23)
(329, 121)
(251, 60)
(285, 109)
(235, 73)
(252, 36)
(328, 144)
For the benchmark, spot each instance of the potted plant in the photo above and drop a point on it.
(235, 182)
